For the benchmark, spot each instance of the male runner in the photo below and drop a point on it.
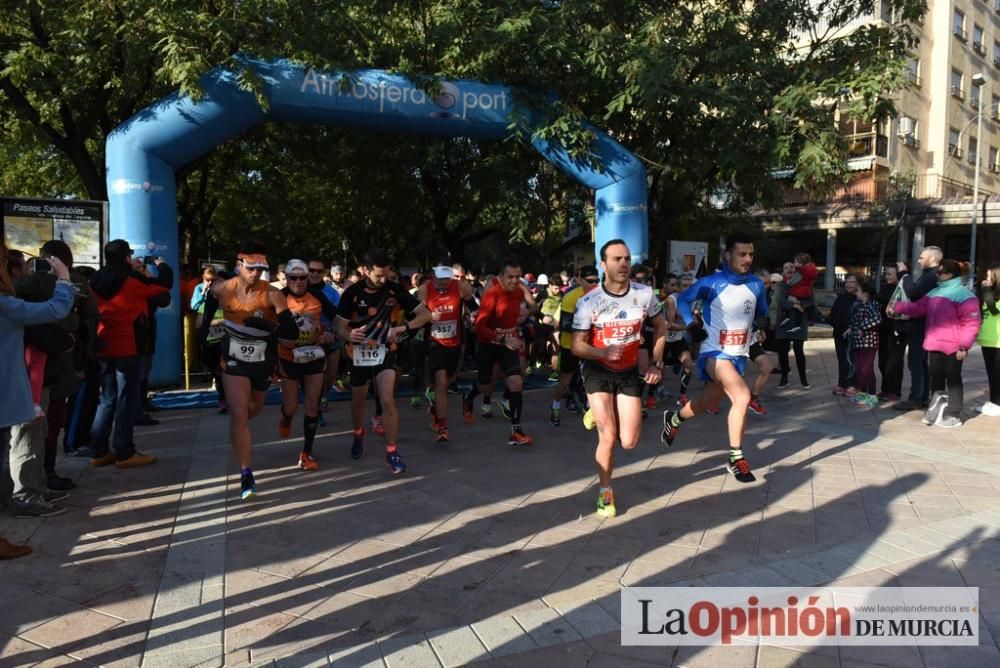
(569, 365)
(256, 316)
(732, 300)
(304, 360)
(677, 353)
(364, 318)
(444, 296)
(496, 332)
(328, 295)
(607, 335)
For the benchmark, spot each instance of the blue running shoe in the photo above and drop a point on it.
(247, 486)
(504, 406)
(358, 447)
(395, 462)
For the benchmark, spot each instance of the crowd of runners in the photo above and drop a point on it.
(606, 333)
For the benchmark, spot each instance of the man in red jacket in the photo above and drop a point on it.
(122, 295)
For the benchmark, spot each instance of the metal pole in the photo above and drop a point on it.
(975, 195)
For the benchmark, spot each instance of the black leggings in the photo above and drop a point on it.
(782, 347)
(946, 370)
(992, 360)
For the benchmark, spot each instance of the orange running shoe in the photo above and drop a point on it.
(519, 438)
(307, 462)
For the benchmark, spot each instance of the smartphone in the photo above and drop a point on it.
(41, 266)
(149, 259)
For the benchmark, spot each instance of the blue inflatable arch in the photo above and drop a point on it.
(144, 152)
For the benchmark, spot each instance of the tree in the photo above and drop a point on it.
(888, 211)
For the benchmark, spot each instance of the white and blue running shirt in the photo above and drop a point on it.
(731, 304)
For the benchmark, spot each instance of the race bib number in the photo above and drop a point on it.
(620, 332)
(444, 329)
(674, 335)
(247, 350)
(368, 355)
(216, 332)
(733, 337)
(307, 354)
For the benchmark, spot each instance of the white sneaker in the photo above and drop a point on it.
(990, 409)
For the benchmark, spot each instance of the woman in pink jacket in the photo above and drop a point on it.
(952, 323)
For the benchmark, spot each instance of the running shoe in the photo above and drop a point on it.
(414, 402)
(307, 462)
(395, 462)
(669, 432)
(554, 377)
(358, 446)
(588, 421)
(572, 406)
(681, 400)
(486, 411)
(712, 411)
(783, 383)
(430, 396)
(323, 404)
(223, 407)
(518, 437)
(806, 386)
(284, 427)
(554, 417)
(851, 391)
(340, 385)
(248, 488)
(454, 388)
(938, 403)
(839, 391)
(377, 426)
(504, 407)
(442, 433)
(468, 411)
(948, 422)
(320, 420)
(606, 504)
(741, 469)
(650, 402)
(756, 408)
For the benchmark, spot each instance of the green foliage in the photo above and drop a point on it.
(712, 95)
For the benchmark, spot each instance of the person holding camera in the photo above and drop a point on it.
(122, 297)
(25, 457)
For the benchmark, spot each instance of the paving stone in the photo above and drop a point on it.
(360, 656)
(547, 627)
(412, 651)
(457, 646)
(502, 635)
(589, 619)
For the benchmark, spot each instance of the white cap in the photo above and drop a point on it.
(444, 272)
(543, 279)
(296, 266)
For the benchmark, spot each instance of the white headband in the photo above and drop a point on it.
(444, 272)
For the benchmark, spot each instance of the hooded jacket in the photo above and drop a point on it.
(952, 316)
(122, 301)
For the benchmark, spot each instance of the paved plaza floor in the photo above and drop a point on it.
(484, 554)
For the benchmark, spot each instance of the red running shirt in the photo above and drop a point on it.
(616, 319)
(499, 311)
(446, 308)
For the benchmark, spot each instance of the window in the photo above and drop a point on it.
(913, 70)
(977, 40)
(992, 165)
(972, 150)
(958, 25)
(953, 138)
(956, 84)
(994, 110)
(996, 51)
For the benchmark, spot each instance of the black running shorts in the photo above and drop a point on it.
(298, 371)
(443, 357)
(568, 362)
(259, 373)
(492, 353)
(598, 379)
(673, 351)
(362, 375)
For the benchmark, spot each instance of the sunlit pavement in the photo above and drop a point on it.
(484, 553)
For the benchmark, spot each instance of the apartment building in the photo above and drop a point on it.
(934, 138)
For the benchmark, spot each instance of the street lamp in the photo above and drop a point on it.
(978, 80)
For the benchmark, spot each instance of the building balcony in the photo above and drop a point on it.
(867, 145)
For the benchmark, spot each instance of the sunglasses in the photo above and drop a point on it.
(296, 278)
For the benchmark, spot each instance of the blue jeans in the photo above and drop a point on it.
(119, 404)
(916, 362)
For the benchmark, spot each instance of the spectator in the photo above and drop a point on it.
(24, 467)
(800, 291)
(546, 343)
(952, 323)
(840, 319)
(280, 280)
(913, 328)
(82, 405)
(337, 278)
(863, 338)
(891, 344)
(122, 301)
(787, 335)
(989, 338)
(144, 419)
(200, 292)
